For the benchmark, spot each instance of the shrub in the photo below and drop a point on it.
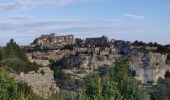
(168, 59)
(42, 72)
(63, 63)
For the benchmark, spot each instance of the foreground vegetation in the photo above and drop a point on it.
(13, 59)
(10, 89)
(115, 84)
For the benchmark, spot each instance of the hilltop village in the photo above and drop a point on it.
(84, 57)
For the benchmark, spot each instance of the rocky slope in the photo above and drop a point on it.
(148, 67)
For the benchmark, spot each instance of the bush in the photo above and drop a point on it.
(63, 63)
(161, 91)
(59, 74)
(58, 66)
(168, 59)
(42, 72)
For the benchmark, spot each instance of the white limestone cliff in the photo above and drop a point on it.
(148, 67)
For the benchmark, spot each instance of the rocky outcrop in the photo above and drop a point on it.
(93, 61)
(148, 67)
(43, 58)
(42, 82)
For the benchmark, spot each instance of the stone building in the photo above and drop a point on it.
(53, 40)
(101, 41)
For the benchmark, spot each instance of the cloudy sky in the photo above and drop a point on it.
(146, 20)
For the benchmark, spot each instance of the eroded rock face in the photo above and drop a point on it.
(148, 67)
(42, 82)
(93, 53)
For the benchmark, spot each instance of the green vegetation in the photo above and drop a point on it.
(98, 88)
(161, 91)
(12, 50)
(63, 63)
(114, 85)
(10, 89)
(59, 74)
(168, 59)
(14, 60)
(164, 49)
(13, 57)
(1, 53)
(58, 66)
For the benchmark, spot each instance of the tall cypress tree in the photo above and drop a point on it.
(1, 54)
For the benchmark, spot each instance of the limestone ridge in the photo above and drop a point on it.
(99, 52)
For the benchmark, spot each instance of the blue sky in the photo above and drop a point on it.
(145, 20)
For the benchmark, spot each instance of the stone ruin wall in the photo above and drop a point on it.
(53, 40)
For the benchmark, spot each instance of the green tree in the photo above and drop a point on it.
(1, 54)
(14, 57)
(126, 85)
(94, 87)
(113, 85)
(12, 50)
(110, 90)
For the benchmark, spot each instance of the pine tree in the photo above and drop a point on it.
(12, 50)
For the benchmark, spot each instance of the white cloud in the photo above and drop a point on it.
(25, 4)
(134, 16)
(28, 25)
(21, 4)
(22, 17)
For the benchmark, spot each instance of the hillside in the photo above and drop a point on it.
(64, 67)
